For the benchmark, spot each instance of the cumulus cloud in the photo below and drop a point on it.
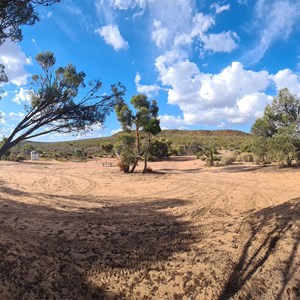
(233, 96)
(221, 42)
(14, 60)
(112, 36)
(175, 24)
(171, 122)
(149, 90)
(287, 79)
(22, 96)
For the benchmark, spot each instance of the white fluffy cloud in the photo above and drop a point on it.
(174, 24)
(14, 60)
(149, 90)
(22, 96)
(233, 96)
(287, 79)
(112, 36)
(221, 42)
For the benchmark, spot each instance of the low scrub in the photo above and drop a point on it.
(245, 157)
(228, 160)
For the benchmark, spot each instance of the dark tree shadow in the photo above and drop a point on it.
(170, 170)
(237, 168)
(50, 253)
(273, 223)
(180, 158)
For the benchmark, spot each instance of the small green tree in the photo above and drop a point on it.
(124, 149)
(279, 128)
(159, 149)
(151, 129)
(145, 119)
(210, 149)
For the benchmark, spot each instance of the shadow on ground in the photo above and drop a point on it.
(269, 227)
(49, 253)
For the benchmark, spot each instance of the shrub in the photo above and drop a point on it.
(123, 167)
(208, 162)
(228, 160)
(246, 157)
(20, 157)
(159, 149)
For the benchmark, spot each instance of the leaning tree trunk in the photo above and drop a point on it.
(8, 144)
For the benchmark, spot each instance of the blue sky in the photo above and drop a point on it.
(209, 64)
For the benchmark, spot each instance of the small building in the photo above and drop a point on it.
(35, 155)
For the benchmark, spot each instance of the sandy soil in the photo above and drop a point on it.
(86, 231)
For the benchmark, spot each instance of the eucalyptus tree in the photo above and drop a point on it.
(145, 118)
(15, 13)
(60, 101)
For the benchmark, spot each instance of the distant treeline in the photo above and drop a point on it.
(179, 142)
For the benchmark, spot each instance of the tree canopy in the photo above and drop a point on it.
(278, 129)
(144, 119)
(60, 101)
(14, 13)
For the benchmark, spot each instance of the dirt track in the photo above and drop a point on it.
(84, 231)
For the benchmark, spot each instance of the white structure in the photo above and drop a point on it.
(35, 155)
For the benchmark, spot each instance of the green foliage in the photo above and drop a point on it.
(278, 129)
(186, 141)
(145, 118)
(7, 153)
(14, 14)
(124, 149)
(153, 127)
(178, 150)
(79, 153)
(246, 157)
(159, 149)
(210, 150)
(107, 147)
(54, 105)
(260, 148)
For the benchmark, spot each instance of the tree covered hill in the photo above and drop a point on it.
(181, 141)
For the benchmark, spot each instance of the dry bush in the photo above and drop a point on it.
(123, 167)
(228, 160)
(149, 170)
(245, 157)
